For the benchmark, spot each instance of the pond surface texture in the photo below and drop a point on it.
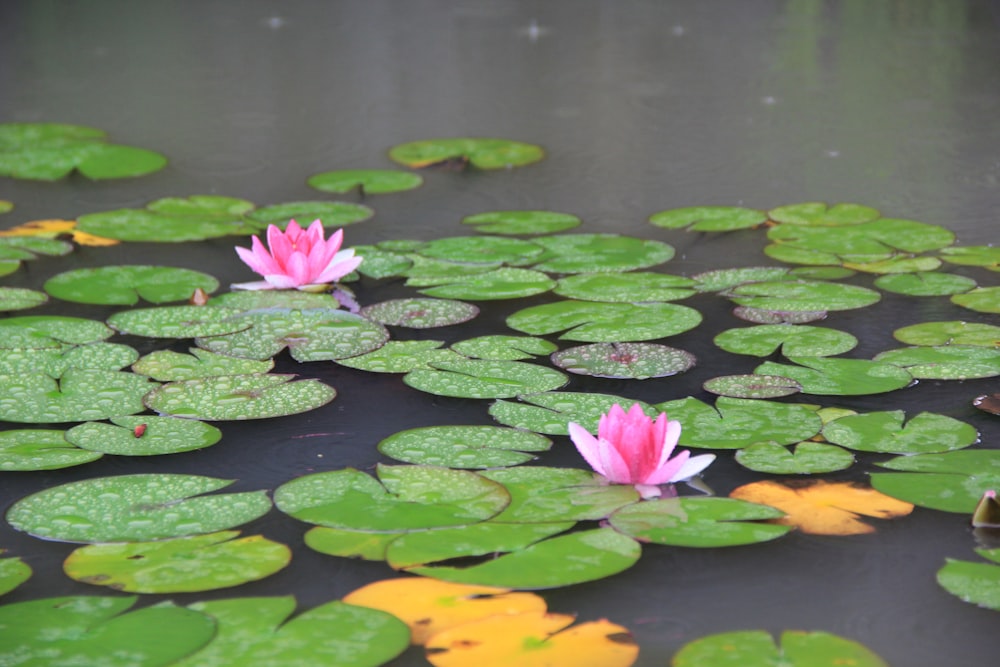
(641, 107)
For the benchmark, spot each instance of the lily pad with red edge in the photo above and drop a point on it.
(797, 295)
(20, 298)
(78, 395)
(820, 214)
(698, 522)
(135, 508)
(170, 366)
(482, 250)
(950, 482)
(313, 334)
(593, 322)
(724, 279)
(767, 316)
(540, 494)
(145, 435)
(464, 446)
(502, 283)
(483, 378)
(481, 153)
(792, 340)
(986, 256)
(188, 564)
(521, 222)
(262, 632)
(752, 386)
(239, 397)
(558, 561)
(420, 313)
(331, 213)
(981, 300)
(757, 647)
(54, 362)
(504, 348)
(955, 332)
(550, 412)
(40, 449)
(365, 181)
(172, 220)
(13, 573)
(125, 285)
(945, 362)
(735, 423)
(886, 433)
(625, 287)
(178, 321)
(91, 630)
(600, 253)
(807, 458)
(401, 356)
(709, 218)
(349, 543)
(977, 583)
(402, 498)
(638, 361)
(833, 376)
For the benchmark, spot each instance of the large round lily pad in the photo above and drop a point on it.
(540, 494)
(464, 446)
(503, 283)
(949, 333)
(420, 313)
(819, 214)
(504, 348)
(482, 378)
(981, 300)
(178, 321)
(698, 522)
(808, 458)
(143, 436)
(885, 432)
(950, 482)
(752, 386)
(593, 322)
(802, 295)
(54, 362)
(401, 356)
(480, 153)
(50, 331)
(625, 287)
(238, 397)
(639, 361)
(735, 423)
(40, 449)
(600, 253)
(20, 298)
(170, 366)
(125, 285)
(482, 250)
(927, 283)
(757, 648)
(793, 340)
(833, 376)
(945, 362)
(521, 222)
(172, 220)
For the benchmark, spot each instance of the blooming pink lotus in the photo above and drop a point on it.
(631, 448)
(299, 258)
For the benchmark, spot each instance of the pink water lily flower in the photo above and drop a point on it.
(631, 448)
(299, 258)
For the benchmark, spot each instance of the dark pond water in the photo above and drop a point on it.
(642, 106)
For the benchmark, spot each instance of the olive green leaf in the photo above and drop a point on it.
(479, 152)
(366, 181)
(639, 361)
(709, 218)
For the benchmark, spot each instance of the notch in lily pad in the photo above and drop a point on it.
(145, 435)
(513, 223)
(125, 285)
(464, 446)
(481, 153)
(365, 181)
(709, 218)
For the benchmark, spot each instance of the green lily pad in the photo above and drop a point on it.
(178, 321)
(380, 264)
(600, 253)
(20, 298)
(238, 397)
(30, 247)
(54, 362)
(50, 331)
(182, 565)
(802, 295)
(170, 366)
(521, 222)
(502, 283)
(157, 435)
(464, 446)
(625, 287)
(558, 561)
(258, 299)
(172, 220)
(504, 348)
(766, 316)
(331, 213)
(482, 539)
(950, 482)
(480, 153)
(541, 494)
(350, 543)
(550, 412)
(315, 334)
(638, 361)
(78, 395)
(945, 362)
(258, 631)
(593, 322)
(709, 218)
(814, 214)
(6, 206)
(808, 458)
(420, 313)
(9, 266)
(735, 423)
(401, 356)
(955, 332)
(986, 256)
(482, 378)
(366, 181)
(88, 630)
(840, 377)
(40, 449)
(756, 648)
(13, 573)
(884, 432)
(792, 340)
(135, 508)
(752, 386)
(482, 250)
(981, 300)
(927, 283)
(50, 151)
(976, 583)
(402, 498)
(698, 522)
(895, 265)
(821, 273)
(868, 241)
(426, 271)
(125, 285)
(718, 280)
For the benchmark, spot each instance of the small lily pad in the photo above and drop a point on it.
(380, 264)
(40, 449)
(481, 539)
(949, 482)
(143, 436)
(50, 331)
(857, 245)
(481, 378)
(752, 386)
(550, 412)
(791, 340)
(482, 250)
(895, 265)
(401, 356)
(600, 253)
(20, 298)
(6, 206)
(238, 397)
(884, 432)
(840, 377)
(30, 247)
(955, 332)
(182, 565)
(135, 508)
(178, 321)
(593, 322)
(504, 348)
(808, 458)
(986, 256)
(78, 395)
(927, 283)
(480, 153)
(125, 285)
(769, 316)
(13, 573)
(735, 423)
(502, 283)
(802, 295)
(625, 287)
(981, 300)
(639, 361)
(331, 213)
(820, 214)
(709, 218)
(977, 583)
(420, 313)
(757, 648)
(170, 366)
(172, 220)
(54, 362)
(366, 181)
(521, 222)
(945, 362)
(724, 279)
(430, 271)
(464, 446)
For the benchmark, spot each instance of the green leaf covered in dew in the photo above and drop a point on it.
(927, 283)
(125, 285)
(179, 321)
(735, 423)
(239, 397)
(20, 298)
(464, 446)
(751, 386)
(13, 573)
(986, 256)
(709, 218)
(172, 220)
(144, 435)
(833, 376)
(40, 449)
(955, 332)
(819, 214)
(420, 313)
(600, 253)
(945, 362)
(482, 378)
(78, 395)
(810, 295)
(50, 331)
(807, 458)
(502, 283)
(504, 348)
(550, 412)
(639, 361)
(593, 322)
(402, 356)
(633, 287)
(521, 222)
(976, 583)
(885, 432)
(792, 340)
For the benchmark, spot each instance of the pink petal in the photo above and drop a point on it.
(281, 247)
(297, 268)
(668, 470)
(587, 445)
(670, 433)
(692, 467)
(258, 259)
(615, 466)
(280, 281)
(648, 491)
(337, 269)
(258, 285)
